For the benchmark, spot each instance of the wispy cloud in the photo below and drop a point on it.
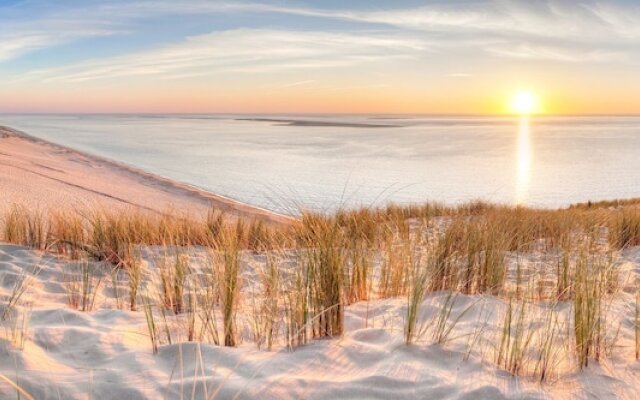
(241, 50)
(299, 83)
(459, 75)
(529, 29)
(14, 45)
(20, 35)
(554, 53)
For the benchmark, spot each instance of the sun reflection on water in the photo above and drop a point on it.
(523, 160)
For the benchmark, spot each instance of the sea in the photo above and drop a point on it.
(287, 163)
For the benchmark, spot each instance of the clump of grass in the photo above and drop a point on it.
(20, 286)
(590, 288)
(209, 298)
(548, 345)
(492, 267)
(324, 260)
(449, 247)
(68, 233)
(415, 296)
(564, 276)
(115, 288)
(266, 310)
(296, 304)
(20, 328)
(360, 271)
(515, 337)
(15, 226)
(394, 271)
(26, 228)
(637, 323)
(152, 327)
(228, 247)
(134, 271)
(624, 228)
(81, 287)
(443, 325)
(172, 278)
(259, 236)
(361, 236)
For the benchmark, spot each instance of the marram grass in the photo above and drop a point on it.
(321, 263)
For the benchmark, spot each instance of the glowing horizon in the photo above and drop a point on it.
(320, 57)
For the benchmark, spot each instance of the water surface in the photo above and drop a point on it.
(323, 162)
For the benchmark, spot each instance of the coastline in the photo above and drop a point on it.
(41, 174)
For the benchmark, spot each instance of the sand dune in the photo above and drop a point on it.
(106, 353)
(39, 174)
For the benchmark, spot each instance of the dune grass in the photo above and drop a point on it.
(320, 264)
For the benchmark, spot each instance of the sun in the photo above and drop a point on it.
(525, 103)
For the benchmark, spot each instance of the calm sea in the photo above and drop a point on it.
(324, 162)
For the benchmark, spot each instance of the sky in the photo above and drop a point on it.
(432, 57)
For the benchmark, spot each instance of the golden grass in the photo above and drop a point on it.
(359, 255)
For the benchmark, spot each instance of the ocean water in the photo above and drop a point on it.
(322, 162)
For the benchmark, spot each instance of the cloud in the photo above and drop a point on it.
(588, 21)
(14, 46)
(537, 52)
(624, 21)
(299, 83)
(547, 30)
(459, 75)
(22, 35)
(242, 51)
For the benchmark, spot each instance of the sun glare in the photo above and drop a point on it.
(525, 103)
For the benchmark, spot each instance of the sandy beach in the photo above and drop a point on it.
(41, 175)
(53, 351)
(86, 327)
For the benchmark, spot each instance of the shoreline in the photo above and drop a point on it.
(66, 175)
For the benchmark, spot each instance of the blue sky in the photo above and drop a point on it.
(324, 56)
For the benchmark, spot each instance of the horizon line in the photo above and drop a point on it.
(320, 113)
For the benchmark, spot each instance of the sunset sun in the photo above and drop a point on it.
(524, 102)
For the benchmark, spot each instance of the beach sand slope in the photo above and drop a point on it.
(41, 175)
(106, 353)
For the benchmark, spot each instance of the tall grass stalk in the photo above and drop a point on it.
(172, 278)
(591, 282)
(418, 286)
(266, 308)
(549, 347)
(19, 288)
(443, 325)
(152, 327)
(81, 287)
(637, 323)
(134, 271)
(324, 260)
(515, 339)
(229, 279)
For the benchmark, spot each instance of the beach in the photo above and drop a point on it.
(323, 163)
(148, 316)
(268, 199)
(37, 174)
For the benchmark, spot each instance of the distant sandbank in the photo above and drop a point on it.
(296, 122)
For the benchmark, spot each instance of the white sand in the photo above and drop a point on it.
(106, 354)
(39, 174)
